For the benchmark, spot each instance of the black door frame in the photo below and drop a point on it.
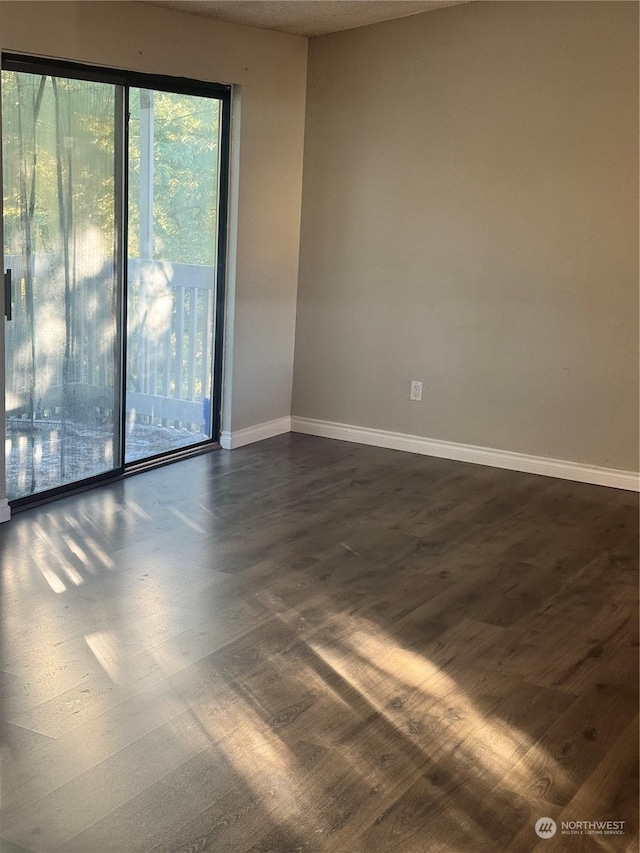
(178, 85)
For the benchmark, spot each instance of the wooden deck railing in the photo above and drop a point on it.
(169, 340)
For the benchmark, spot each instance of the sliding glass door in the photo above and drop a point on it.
(174, 143)
(62, 362)
(114, 200)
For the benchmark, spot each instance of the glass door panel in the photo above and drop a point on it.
(174, 144)
(62, 362)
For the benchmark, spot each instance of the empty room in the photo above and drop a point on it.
(319, 457)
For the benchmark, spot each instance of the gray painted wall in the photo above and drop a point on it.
(470, 220)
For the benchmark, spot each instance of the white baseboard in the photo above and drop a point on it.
(560, 468)
(240, 437)
(5, 510)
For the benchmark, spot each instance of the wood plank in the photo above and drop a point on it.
(610, 793)
(574, 745)
(77, 804)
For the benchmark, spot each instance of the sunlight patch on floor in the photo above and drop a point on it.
(105, 648)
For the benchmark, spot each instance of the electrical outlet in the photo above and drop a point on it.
(416, 391)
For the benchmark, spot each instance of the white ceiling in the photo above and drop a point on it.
(305, 17)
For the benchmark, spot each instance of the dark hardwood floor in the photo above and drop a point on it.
(309, 645)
